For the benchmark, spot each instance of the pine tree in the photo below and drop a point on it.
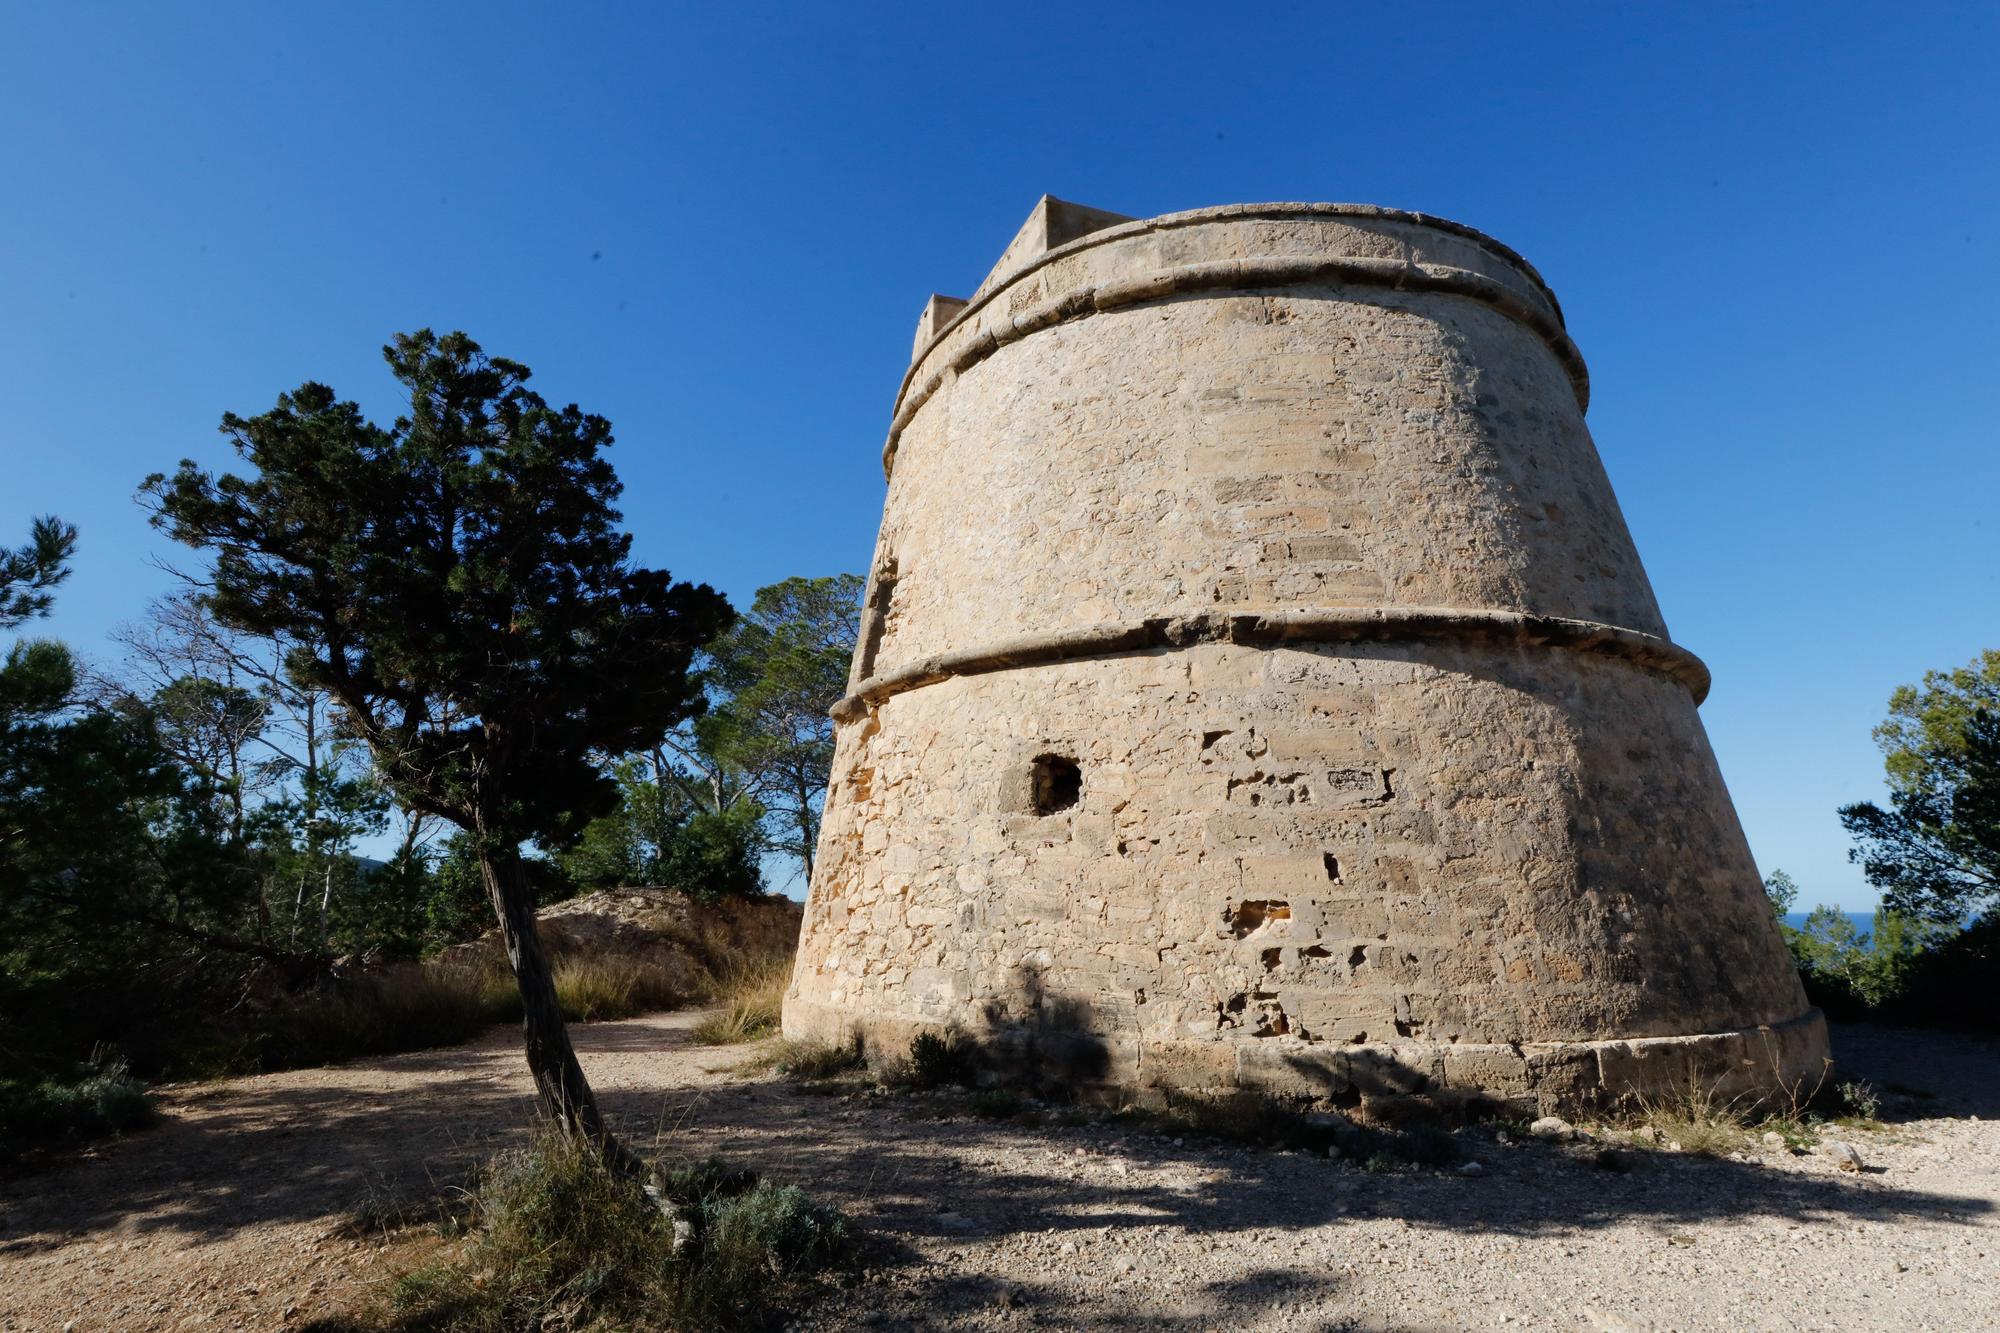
(457, 583)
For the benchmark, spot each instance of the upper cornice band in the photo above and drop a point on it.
(1245, 274)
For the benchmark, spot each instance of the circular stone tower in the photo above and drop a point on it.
(1259, 690)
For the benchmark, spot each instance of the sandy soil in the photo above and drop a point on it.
(230, 1215)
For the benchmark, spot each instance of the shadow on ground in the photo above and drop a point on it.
(312, 1145)
(1905, 1066)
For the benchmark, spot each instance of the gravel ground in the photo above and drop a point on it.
(232, 1214)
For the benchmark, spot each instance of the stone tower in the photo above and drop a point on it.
(1259, 689)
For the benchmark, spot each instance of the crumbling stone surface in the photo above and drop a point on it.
(1260, 690)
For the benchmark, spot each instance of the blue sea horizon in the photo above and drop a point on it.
(1863, 921)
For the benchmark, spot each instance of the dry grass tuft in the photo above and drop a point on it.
(595, 987)
(1694, 1118)
(403, 1009)
(749, 993)
(805, 1061)
(416, 1007)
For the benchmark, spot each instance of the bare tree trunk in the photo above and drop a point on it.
(808, 826)
(326, 906)
(560, 1087)
(413, 828)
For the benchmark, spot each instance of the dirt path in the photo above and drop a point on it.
(230, 1215)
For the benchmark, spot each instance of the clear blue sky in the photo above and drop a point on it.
(1773, 230)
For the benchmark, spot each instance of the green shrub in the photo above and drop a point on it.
(701, 1182)
(772, 1229)
(1857, 1099)
(94, 1100)
(939, 1058)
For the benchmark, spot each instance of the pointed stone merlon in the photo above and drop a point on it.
(938, 312)
(1054, 222)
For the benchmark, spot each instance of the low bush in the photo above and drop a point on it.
(765, 1231)
(88, 1102)
(1691, 1116)
(1694, 1117)
(560, 1241)
(939, 1058)
(1857, 1099)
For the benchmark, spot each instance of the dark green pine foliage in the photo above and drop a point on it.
(29, 574)
(1935, 852)
(457, 583)
(783, 666)
(112, 878)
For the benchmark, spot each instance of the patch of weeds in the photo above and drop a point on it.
(704, 1181)
(937, 1059)
(771, 1230)
(1852, 1105)
(558, 1240)
(407, 1008)
(1695, 1119)
(1798, 1133)
(1857, 1100)
(1378, 1163)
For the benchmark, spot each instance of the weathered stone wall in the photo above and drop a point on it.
(1262, 689)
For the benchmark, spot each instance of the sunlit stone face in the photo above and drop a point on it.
(1261, 690)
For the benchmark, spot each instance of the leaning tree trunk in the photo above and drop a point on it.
(561, 1088)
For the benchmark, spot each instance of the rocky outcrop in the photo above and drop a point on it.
(661, 926)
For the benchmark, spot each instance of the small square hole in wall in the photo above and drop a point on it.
(1054, 784)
